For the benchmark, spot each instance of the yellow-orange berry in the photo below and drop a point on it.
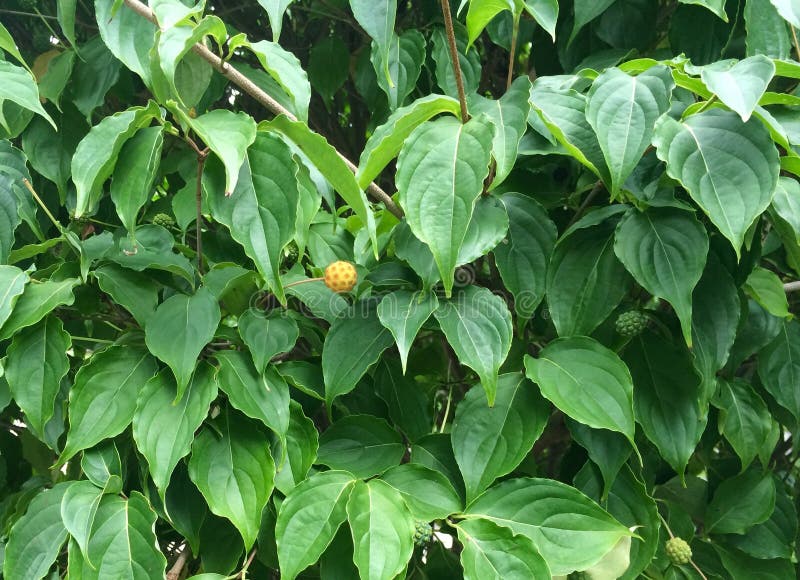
(341, 276)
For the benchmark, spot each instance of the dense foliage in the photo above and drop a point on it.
(565, 347)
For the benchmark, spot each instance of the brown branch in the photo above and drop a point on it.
(514, 33)
(451, 42)
(791, 286)
(259, 95)
(177, 568)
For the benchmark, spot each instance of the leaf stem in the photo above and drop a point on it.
(175, 572)
(41, 204)
(446, 409)
(201, 163)
(90, 339)
(297, 282)
(707, 104)
(796, 43)
(451, 43)
(514, 33)
(262, 97)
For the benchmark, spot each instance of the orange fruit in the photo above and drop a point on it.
(341, 276)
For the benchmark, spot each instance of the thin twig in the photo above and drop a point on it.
(791, 286)
(451, 42)
(243, 573)
(201, 163)
(175, 572)
(796, 44)
(598, 187)
(511, 56)
(259, 95)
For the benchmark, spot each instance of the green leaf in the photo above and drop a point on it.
(403, 313)
(387, 140)
(477, 324)
(93, 77)
(35, 364)
(262, 210)
(50, 152)
(363, 445)
(509, 116)
(179, 329)
(78, 510)
(328, 67)
(128, 36)
(263, 396)
(523, 258)
(267, 335)
(427, 193)
(329, 163)
(232, 467)
(302, 442)
(766, 30)
(715, 319)
(741, 502)
(715, 6)
(122, 543)
(308, 519)
(102, 401)
(741, 84)
(734, 184)
(772, 538)
(164, 431)
(286, 70)
(789, 11)
(545, 12)
(228, 135)
(12, 285)
(152, 249)
(766, 288)
(567, 528)
(779, 367)
(622, 110)
(7, 43)
(786, 203)
(489, 442)
(377, 18)
(134, 291)
(585, 280)
(382, 529)
(567, 368)
(408, 403)
(585, 12)
(13, 169)
(629, 502)
(607, 449)
(36, 302)
(19, 86)
(406, 55)
(36, 538)
(481, 12)
(97, 153)
(55, 79)
(665, 250)
(132, 185)
(668, 402)
(428, 493)
(102, 466)
(491, 551)
(744, 419)
(354, 343)
(275, 11)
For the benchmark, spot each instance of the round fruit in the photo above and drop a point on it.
(423, 533)
(678, 551)
(631, 323)
(341, 276)
(163, 220)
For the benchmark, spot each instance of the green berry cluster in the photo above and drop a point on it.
(163, 220)
(678, 551)
(631, 323)
(422, 533)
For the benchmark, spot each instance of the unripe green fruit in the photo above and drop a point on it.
(423, 533)
(678, 551)
(163, 220)
(631, 323)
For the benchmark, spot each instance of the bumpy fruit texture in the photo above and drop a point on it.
(163, 220)
(423, 533)
(341, 276)
(631, 323)
(678, 551)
